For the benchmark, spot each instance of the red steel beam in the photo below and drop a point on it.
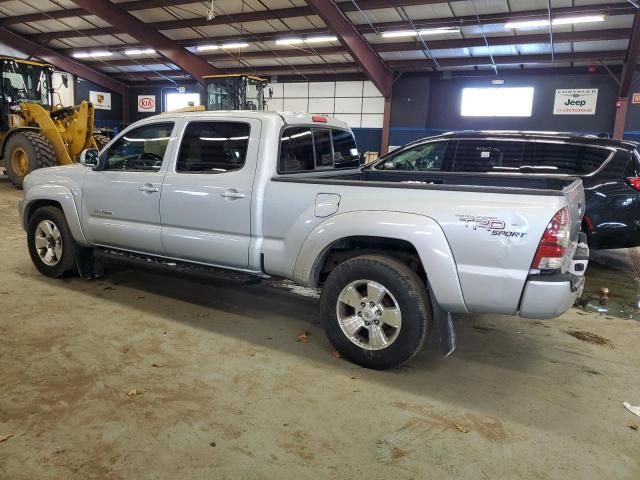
(61, 62)
(144, 33)
(626, 79)
(361, 51)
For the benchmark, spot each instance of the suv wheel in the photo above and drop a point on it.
(375, 311)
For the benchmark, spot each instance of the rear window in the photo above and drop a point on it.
(304, 149)
(565, 159)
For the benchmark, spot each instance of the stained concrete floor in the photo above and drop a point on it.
(227, 392)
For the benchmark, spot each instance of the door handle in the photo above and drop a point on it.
(232, 194)
(147, 187)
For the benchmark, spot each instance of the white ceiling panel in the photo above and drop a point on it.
(600, 46)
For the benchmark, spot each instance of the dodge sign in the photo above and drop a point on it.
(575, 101)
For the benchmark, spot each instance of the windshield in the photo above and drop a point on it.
(25, 83)
(428, 156)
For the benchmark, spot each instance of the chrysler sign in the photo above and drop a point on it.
(575, 101)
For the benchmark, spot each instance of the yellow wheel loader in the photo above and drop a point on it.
(35, 131)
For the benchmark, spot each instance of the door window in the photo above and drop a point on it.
(213, 147)
(488, 156)
(421, 158)
(561, 158)
(141, 149)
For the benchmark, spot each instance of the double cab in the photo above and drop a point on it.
(266, 194)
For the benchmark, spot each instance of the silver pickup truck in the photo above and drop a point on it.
(280, 194)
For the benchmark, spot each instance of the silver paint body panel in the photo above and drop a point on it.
(284, 228)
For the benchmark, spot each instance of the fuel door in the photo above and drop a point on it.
(326, 204)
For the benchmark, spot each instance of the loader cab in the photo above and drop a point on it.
(235, 92)
(23, 81)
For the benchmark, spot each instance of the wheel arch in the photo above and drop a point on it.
(55, 196)
(408, 237)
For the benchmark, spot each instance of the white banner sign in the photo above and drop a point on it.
(146, 103)
(575, 101)
(100, 100)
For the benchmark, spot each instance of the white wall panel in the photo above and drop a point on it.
(371, 121)
(322, 89)
(349, 89)
(349, 105)
(321, 105)
(276, 104)
(353, 121)
(295, 104)
(278, 89)
(370, 90)
(296, 90)
(373, 105)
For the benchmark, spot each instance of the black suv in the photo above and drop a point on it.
(609, 169)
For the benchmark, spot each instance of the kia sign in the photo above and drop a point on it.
(147, 103)
(575, 101)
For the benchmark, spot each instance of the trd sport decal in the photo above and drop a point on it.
(493, 225)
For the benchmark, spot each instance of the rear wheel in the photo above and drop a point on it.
(25, 152)
(51, 245)
(375, 311)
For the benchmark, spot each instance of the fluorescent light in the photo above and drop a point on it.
(400, 33)
(583, 19)
(140, 51)
(555, 21)
(102, 53)
(229, 46)
(225, 46)
(435, 31)
(298, 40)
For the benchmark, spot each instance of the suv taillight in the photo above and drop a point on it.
(554, 243)
(634, 182)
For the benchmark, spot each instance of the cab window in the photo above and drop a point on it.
(140, 149)
(421, 158)
(304, 149)
(213, 147)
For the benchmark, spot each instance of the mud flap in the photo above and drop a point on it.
(88, 265)
(444, 326)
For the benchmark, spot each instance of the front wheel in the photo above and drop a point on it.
(51, 245)
(375, 311)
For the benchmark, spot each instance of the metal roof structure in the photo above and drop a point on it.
(183, 39)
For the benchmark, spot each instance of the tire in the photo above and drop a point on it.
(101, 141)
(25, 152)
(404, 290)
(65, 255)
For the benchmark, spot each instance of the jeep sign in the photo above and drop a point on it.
(147, 103)
(575, 101)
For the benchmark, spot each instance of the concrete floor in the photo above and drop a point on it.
(227, 392)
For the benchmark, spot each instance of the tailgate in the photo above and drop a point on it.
(574, 193)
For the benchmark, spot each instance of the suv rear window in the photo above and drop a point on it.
(304, 149)
(565, 158)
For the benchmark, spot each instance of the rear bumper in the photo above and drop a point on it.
(550, 298)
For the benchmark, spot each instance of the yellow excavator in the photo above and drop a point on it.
(35, 130)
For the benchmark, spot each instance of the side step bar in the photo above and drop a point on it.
(112, 255)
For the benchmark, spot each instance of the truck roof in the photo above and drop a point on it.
(290, 118)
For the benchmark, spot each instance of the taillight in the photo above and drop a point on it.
(554, 243)
(634, 182)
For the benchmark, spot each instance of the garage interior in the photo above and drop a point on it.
(143, 374)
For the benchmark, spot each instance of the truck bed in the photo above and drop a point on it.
(490, 183)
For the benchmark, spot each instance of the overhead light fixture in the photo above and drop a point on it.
(555, 21)
(224, 46)
(298, 40)
(140, 51)
(98, 54)
(426, 31)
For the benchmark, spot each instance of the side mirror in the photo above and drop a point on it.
(89, 157)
